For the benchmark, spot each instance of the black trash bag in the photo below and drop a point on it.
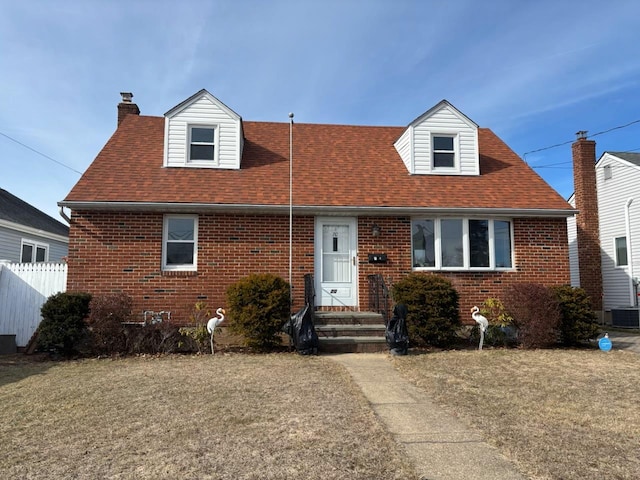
(301, 330)
(396, 333)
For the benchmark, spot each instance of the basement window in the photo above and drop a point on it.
(180, 242)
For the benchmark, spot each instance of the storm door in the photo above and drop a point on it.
(335, 261)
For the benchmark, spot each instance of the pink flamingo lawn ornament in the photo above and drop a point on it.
(213, 323)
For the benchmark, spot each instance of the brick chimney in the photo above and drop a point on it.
(587, 220)
(126, 107)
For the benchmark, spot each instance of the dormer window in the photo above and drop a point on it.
(444, 152)
(202, 144)
(441, 141)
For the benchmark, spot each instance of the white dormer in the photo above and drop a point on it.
(441, 141)
(202, 132)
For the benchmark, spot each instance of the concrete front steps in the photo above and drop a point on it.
(350, 332)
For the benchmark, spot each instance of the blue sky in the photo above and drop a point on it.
(533, 72)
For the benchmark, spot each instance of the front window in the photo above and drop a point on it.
(202, 144)
(460, 243)
(444, 153)
(180, 238)
(451, 243)
(34, 252)
(621, 252)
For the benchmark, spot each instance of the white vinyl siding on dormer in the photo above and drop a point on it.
(415, 146)
(203, 111)
(404, 146)
(445, 122)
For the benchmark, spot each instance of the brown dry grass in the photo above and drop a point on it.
(232, 416)
(559, 414)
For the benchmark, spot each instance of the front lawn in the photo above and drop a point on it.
(559, 414)
(278, 416)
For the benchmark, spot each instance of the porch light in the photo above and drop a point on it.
(375, 230)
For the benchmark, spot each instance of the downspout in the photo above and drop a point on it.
(627, 221)
(64, 215)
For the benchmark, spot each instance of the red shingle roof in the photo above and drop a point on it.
(333, 165)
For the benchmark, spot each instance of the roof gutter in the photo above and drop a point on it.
(166, 207)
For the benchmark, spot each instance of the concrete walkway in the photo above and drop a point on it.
(624, 340)
(440, 446)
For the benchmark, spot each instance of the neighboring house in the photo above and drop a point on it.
(28, 235)
(616, 187)
(176, 208)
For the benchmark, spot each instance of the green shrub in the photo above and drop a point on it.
(258, 307)
(108, 312)
(433, 308)
(535, 313)
(63, 329)
(578, 321)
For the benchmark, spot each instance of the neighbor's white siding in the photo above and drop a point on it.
(572, 234)
(404, 146)
(613, 194)
(446, 121)
(203, 111)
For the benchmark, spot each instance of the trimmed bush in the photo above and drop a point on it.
(63, 329)
(258, 307)
(535, 312)
(433, 308)
(578, 321)
(108, 312)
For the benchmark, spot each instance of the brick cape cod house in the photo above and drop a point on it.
(176, 208)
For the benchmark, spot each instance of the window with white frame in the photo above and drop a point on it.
(444, 151)
(621, 251)
(34, 252)
(202, 144)
(462, 244)
(607, 172)
(180, 242)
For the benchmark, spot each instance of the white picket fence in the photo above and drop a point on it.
(24, 287)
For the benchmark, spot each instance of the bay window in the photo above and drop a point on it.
(462, 244)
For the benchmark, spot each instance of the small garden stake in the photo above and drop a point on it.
(482, 322)
(214, 322)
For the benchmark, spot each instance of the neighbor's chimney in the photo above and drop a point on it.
(126, 107)
(587, 221)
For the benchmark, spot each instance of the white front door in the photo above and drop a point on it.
(335, 261)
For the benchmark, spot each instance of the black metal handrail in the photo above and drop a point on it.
(310, 292)
(379, 296)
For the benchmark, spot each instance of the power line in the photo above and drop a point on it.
(40, 153)
(524, 155)
(555, 165)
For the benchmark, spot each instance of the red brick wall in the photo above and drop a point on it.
(541, 256)
(587, 220)
(112, 252)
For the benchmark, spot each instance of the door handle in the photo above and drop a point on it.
(353, 259)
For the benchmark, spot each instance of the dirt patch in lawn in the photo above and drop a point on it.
(232, 416)
(560, 414)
